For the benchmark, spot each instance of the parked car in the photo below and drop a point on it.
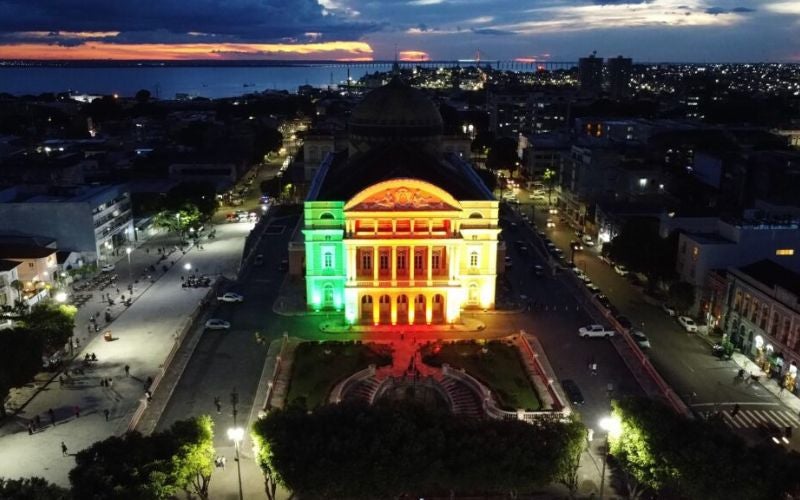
(550, 223)
(620, 269)
(217, 324)
(230, 297)
(587, 240)
(538, 270)
(572, 391)
(576, 245)
(624, 322)
(108, 268)
(688, 324)
(591, 331)
(593, 288)
(669, 309)
(640, 338)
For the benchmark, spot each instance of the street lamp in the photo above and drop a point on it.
(236, 434)
(61, 297)
(128, 251)
(188, 266)
(613, 427)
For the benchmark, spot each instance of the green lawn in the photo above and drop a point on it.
(319, 366)
(499, 368)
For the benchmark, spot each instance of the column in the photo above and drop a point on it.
(376, 309)
(394, 226)
(393, 315)
(375, 263)
(450, 261)
(411, 306)
(352, 263)
(411, 260)
(393, 265)
(430, 263)
(428, 308)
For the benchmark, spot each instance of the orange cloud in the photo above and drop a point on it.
(145, 51)
(413, 55)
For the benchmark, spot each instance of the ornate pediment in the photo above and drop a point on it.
(402, 198)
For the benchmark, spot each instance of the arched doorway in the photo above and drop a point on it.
(473, 295)
(402, 309)
(327, 296)
(366, 308)
(438, 308)
(385, 310)
(419, 309)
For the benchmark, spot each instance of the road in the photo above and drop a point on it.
(706, 383)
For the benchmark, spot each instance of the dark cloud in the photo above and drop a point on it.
(715, 11)
(240, 20)
(492, 31)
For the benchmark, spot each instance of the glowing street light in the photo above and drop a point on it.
(61, 297)
(613, 427)
(188, 266)
(128, 251)
(236, 434)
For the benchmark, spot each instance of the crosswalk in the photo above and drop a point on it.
(758, 418)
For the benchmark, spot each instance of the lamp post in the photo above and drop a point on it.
(236, 434)
(128, 251)
(613, 428)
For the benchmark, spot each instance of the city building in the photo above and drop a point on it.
(95, 221)
(590, 74)
(9, 273)
(619, 76)
(763, 317)
(395, 231)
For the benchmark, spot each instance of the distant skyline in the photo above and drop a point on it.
(558, 30)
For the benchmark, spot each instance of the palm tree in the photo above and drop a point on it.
(18, 286)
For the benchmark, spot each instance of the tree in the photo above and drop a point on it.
(574, 440)
(357, 451)
(19, 304)
(151, 467)
(503, 155)
(20, 359)
(642, 249)
(33, 488)
(194, 462)
(142, 96)
(54, 323)
(550, 178)
(201, 195)
(681, 295)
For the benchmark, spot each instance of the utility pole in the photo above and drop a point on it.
(234, 402)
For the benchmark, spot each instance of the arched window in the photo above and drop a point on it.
(366, 299)
(326, 216)
(475, 215)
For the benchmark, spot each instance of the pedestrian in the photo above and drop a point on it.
(735, 410)
(63, 449)
(148, 383)
(89, 328)
(77, 411)
(102, 382)
(594, 368)
(106, 413)
(147, 250)
(148, 395)
(52, 416)
(110, 382)
(218, 405)
(127, 370)
(118, 292)
(93, 357)
(30, 429)
(223, 460)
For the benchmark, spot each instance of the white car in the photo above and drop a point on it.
(217, 324)
(620, 269)
(108, 268)
(230, 297)
(587, 240)
(640, 338)
(688, 324)
(595, 331)
(669, 309)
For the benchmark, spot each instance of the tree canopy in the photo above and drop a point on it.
(351, 450)
(147, 467)
(664, 451)
(640, 247)
(20, 358)
(34, 488)
(53, 323)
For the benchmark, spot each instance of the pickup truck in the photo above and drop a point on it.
(592, 331)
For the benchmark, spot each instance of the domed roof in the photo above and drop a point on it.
(396, 110)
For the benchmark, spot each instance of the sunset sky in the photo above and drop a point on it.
(558, 30)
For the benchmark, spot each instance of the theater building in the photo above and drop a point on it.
(395, 230)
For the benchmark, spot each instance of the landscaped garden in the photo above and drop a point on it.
(496, 364)
(319, 366)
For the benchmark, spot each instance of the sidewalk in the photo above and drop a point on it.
(144, 334)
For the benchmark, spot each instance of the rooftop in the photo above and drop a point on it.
(24, 252)
(773, 274)
(7, 265)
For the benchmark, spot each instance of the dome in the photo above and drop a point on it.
(395, 112)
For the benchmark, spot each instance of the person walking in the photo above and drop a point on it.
(30, 429)
(110, 382)
(218, 404)
(735, 410)
(106, 413)
(52, 416)
(223, 461)
(63, 449)
(127, 370)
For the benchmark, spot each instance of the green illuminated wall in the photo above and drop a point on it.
(323, 230)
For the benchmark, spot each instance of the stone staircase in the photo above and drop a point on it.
(464, 400)
(363, 391)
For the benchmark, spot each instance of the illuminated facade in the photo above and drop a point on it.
(396, 232)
